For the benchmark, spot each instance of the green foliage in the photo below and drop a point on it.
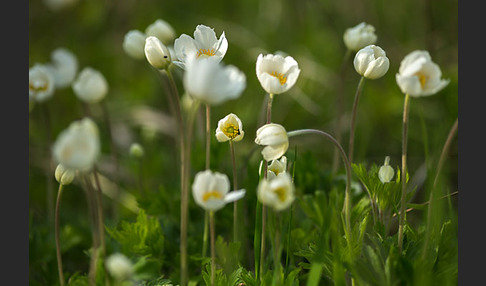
(143, 237)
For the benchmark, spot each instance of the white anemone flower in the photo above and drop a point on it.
(204, 45)
(162, 30)
(278, 193)
(386, 172)
(134, 44)
(211, 190)
(419, 76)
(157, 54)
(212, 82)
(41, 83)
(230, 128)
(371, 62)
(90, 86)
(277, 167)
(64, 67)
(359, 36)
(78, 146)
(119, 266)
(277, 74)
(274, 137)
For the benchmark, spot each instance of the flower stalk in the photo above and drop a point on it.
(406, 109)
(353, 118)
(58, 245)
(213, 248)
(235, 187)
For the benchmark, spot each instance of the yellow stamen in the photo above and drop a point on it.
(280, 76)
(42, 87)
(212, 195)
(205, 52)
(281, 194)
(231, 131)
(422, 79)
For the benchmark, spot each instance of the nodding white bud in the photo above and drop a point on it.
(386, 172)
(136, 150)
(157, 53)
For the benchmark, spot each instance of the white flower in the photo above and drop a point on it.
(134, 44)
(119, 266)
(157, 53)
(90, 85)
(211, 190)
(359, 36)
(63, 66)
(277, 74)
(63, 175)
(277, 193)
(204, 45)
(78, 146)
(274, 137)
(41, 83)
(162, 30)
(418, 75)
(212, 82)
(230, 128)
(371, 62)
(386, 172)
(277, 167)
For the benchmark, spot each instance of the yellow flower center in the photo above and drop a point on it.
(231, 130)
(212, 195)
(422, 79)
(205, 52)
(280, 76)
(42, 87)
(281, 193)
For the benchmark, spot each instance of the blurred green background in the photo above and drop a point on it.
(309, 30)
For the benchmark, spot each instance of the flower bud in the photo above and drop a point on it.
(134, 44)
(119, 266)
(162, 30)
(275, 139)
(386, 172)
(41, 83)
(359, 36)
(90, 86)
(63, 175)
(136, 150)
(371, 62)
(157, 53)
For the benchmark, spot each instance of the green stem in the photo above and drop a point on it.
(406, 109)
(205, 233)
(353, 118)
(58, 245)
(213, 249)
(208, 136)
(235, 187)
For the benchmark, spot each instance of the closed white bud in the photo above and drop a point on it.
(90, 86)
(119, 266)
(371, 62)
(136, 150)
(386, 172)
(63, 175)
(134, 44)
(359, 36)
(157, 53)
(162, 30)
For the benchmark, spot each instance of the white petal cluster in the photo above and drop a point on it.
(41, 83)
(278, 193)
(230, 128)
(371, 62)
(359, 36)
(212, 82)
(277, 74)
(64, 175)
(90, 86)
(274, 137)
(277, 167)
(419, 76)
(162, 30)
(211, 190)
(78, 146)
(63, 66)
(203, 45)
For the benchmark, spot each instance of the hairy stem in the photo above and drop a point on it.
(406, 109)
(353, 118)
(58, 245)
